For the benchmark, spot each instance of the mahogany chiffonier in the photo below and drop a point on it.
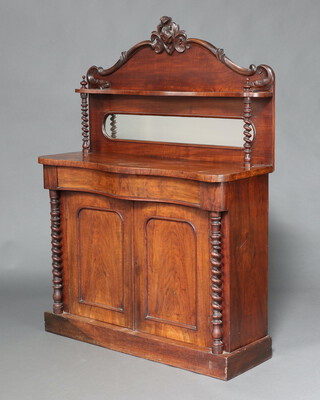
(160, 246)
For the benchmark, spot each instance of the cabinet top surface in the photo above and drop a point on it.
(139, 165)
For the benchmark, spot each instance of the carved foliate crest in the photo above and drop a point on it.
(169, 37)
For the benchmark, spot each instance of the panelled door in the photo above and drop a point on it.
(99, 257)
(172, 272)
(169, 294)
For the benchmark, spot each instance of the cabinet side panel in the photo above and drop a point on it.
(100, 255)
(248, 220)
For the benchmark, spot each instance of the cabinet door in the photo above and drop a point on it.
(99, 259)
(172, 272)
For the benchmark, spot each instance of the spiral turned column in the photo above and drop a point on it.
(113, 126)
(56, 249)
(84, 116)
(216, 282)
(247, 125)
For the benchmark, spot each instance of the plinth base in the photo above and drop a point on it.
(182, 355)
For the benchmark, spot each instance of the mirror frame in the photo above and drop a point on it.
(115, 139)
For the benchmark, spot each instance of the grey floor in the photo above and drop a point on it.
(38, 365)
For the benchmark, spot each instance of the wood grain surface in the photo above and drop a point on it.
(172, 272)
(160, 250)
(187, 356)
(99, 257)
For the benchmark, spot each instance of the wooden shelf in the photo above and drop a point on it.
(140, 92)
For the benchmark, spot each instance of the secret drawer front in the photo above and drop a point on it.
(131, 187)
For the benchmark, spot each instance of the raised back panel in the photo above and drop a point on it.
(262, 147)
(195, 70)
(173, 75)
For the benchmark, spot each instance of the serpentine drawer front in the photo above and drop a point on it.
(125, 186)
(160, 240)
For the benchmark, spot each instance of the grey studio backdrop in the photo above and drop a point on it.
(45, 47)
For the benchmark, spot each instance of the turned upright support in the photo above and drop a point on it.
(247, 125)
(113, 126)
(84, 117)
(216, 282)
(56, 251)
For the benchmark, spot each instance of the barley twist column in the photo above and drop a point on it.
(247, 125)
(56, 251)
(84, 117)
(216, 282)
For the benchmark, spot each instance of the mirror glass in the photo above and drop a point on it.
(191, 130)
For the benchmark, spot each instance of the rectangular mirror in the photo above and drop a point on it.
(190, 130)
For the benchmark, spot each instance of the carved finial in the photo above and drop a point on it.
(169, 37)
(83, 83)
(247, 124)
(247, 85)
